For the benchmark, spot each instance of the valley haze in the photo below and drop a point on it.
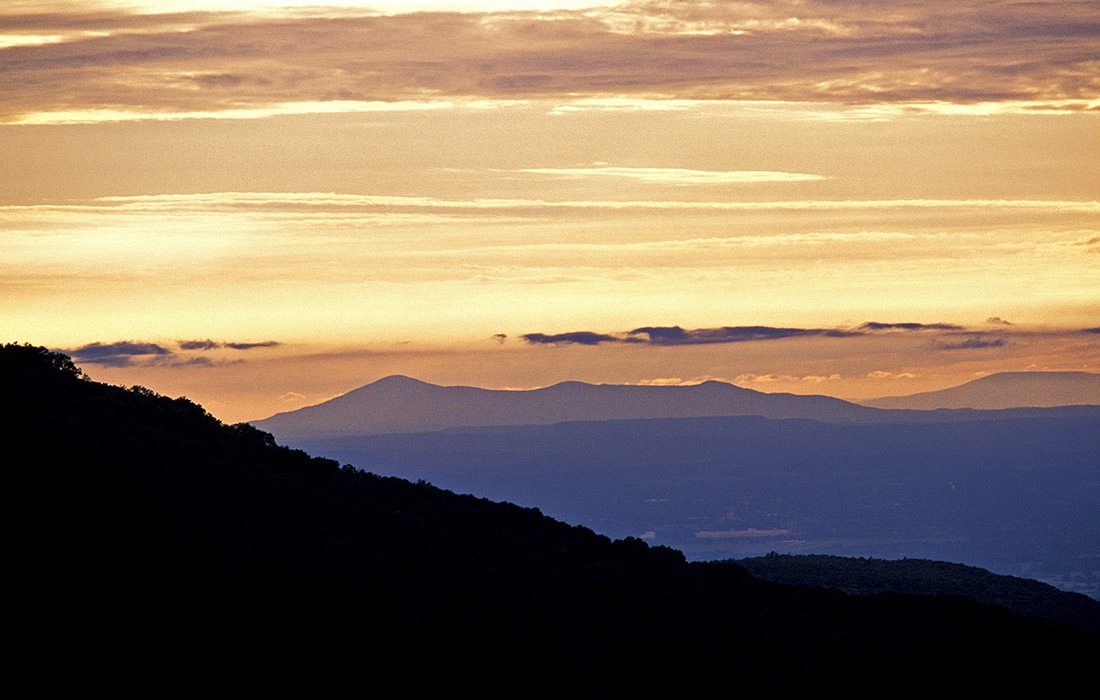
(718, 471)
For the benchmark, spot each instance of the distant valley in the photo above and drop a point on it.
(1017, 495)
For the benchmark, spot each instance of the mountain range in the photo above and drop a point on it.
(150, 537)
(400, 404)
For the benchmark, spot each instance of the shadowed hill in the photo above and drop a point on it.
(869, 576)
(149, 534)
(1005, 390)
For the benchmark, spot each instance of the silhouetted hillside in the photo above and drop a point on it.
(1004, 390)
(405, 405)
(147, 534)
(868, 576)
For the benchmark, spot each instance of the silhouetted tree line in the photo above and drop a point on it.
(870, 576)
(146, 533)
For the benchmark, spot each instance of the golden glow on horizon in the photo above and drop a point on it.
(677, 176)
(93, 116)
(298, 267)
(238, 386)
(780, 110)
(10, 40)
(379, 190)
(307, 199)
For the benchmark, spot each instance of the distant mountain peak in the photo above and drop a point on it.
(567, 384)
(719, 384)
(1005, 390)
(397, 380)
(1039, 375)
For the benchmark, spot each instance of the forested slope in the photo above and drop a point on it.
(149, 534)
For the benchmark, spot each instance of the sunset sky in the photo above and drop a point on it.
(263, 204)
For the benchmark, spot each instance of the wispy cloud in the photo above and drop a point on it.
(677, 176)
(947, 56)
(973, 343)
(772, 378)
(294, 201)
(883, 374)
(875, 326)
(95, 115)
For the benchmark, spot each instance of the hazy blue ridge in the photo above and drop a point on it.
(1017, 495)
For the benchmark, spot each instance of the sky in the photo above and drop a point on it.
(261, 205)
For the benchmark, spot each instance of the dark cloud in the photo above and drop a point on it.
(575, 338)
(500, 337)
(973, 343)
(675, 335)
(250, 346)
(872, 326)
(214, 345)
(1092, 330)
(120, 354)
(842, 51)
(199, 344)
(128, 353)
(998, 321)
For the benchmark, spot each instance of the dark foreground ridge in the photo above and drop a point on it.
(148, 534)
(869, 576)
